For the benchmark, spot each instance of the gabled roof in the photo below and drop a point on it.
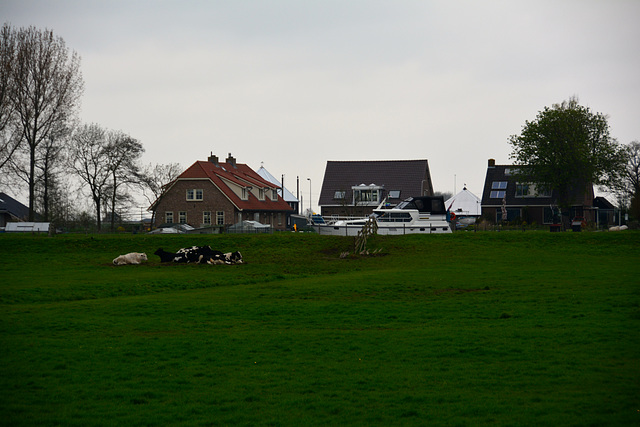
(8, 205)
(411, 177)
(224, 174)
(464, 203)
(288, 196)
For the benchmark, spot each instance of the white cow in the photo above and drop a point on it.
(618, 228)
(131, 258)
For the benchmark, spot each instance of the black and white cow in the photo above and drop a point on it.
(198, 255)
(233, 257)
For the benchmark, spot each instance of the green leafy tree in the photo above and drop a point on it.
(568, 148)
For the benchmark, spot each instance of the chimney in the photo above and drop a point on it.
(213, 159)
(231, 160)
(492, 163)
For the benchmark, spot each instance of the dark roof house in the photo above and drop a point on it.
(357, 187)
(505, 198)
(12, 210)
(213, 193)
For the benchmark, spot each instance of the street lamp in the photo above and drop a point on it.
(310, 208)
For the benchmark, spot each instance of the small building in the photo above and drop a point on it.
(213, 193)
(355, 188)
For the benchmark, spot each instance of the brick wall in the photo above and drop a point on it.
(212, 200)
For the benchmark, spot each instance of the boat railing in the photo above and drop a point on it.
(332, 219)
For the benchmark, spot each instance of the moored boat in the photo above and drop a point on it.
(415, 215)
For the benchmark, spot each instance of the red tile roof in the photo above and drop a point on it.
(239, 174)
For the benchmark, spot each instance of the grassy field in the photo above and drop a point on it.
(505, 328)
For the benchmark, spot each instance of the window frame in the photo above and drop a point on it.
(499, 185)
(195, 195)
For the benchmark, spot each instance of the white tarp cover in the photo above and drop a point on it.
(288, 197)
(464, 203)
(27, 227)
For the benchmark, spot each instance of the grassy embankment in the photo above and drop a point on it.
(467, 329)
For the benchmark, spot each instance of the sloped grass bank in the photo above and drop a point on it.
(466, 329)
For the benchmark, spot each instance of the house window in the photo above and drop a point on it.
(499, 185)
(194, 195)
(522, 190)
(279, 218)
(497, 194)
(394, 194)
(339, 195)
(220, 217)
(245, 193)
(366, 195)
(206, 217)
(532, 190)
(274, 195)
(182, 217)
(260, 193)
(168, 217)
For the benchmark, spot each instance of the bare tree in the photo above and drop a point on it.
(631, 179)
(124, 155)
(632, 171)
(46, 85)
(8, 140)
(89, 160)
(156, 179)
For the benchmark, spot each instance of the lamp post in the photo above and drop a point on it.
(310, 208)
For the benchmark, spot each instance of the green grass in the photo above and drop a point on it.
(505, 328)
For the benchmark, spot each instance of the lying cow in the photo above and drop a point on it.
(198, 255)
(228, 258)
(130, 258)
(233, 258)
(164, 255)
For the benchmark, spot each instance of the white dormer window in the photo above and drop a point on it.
(260, 193)
(274, 195)
(245, 193)
(366, 194)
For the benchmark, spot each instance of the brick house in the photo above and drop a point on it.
(211, 193)
(355, 188)
(530, 202)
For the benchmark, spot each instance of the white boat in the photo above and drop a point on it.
(415, 215)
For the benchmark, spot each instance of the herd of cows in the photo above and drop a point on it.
(194, 254)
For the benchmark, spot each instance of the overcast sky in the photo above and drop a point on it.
(294, 84)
